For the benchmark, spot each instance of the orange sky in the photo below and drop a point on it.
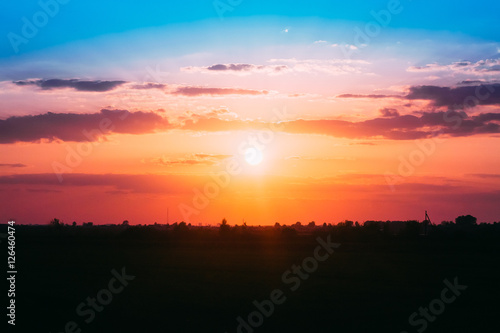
(283, 129)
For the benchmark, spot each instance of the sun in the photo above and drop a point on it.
(253, 156)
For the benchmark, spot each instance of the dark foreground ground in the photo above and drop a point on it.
(202, 280)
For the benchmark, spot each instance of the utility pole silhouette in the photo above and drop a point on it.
(427, 223)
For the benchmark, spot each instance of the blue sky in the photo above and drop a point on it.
(80, 20)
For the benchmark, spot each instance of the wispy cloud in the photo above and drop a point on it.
(481, 67)
(192, 159)
(368, 96)
(13, 165)
(198, 91)
(283, 66)
(328, 66)
(238, 69)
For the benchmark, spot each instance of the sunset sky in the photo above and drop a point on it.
(251, 110)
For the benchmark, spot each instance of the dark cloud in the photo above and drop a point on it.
(471, 82)
(387, 112)
(78, 127)
(459, 97)
(13, 165)
(96, 86)
(197, 91)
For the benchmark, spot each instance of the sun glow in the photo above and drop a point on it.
(254, 156)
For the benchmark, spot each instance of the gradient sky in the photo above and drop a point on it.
(254, 111)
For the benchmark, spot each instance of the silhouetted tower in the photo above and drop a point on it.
(427, 222)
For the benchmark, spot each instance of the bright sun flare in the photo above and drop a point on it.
(253, 156)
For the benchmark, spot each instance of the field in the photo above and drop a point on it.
(203, 280)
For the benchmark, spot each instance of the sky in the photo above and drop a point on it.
(254, 111)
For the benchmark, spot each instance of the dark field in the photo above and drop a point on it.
(202, 280)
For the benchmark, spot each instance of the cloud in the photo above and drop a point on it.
(387, 112)
(485, 175)
(391, 125)
(199, 91)
(480, 68)
(192, 159)
(326, 66)
(41, 190)
(95, 86)
(149, 86)
(394, 127)
(471, 82)
(239, 69)
(78, 127)
(370, 96)
(282, 66)
(458, 97)
(13, 165)
(125, 183)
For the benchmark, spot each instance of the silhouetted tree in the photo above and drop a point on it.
(311, 224)
(465, 221)
(224, 227)
(345, 223)
(289, 232)
(277, 225)
(55, 223)
(125, 223)
(74, 224)
(181, 227)
(411, 229)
